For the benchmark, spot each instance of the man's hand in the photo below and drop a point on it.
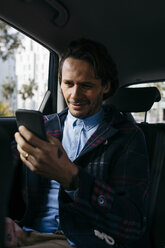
(48, 159)
(14, 233)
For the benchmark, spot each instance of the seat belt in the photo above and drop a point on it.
(45, 102)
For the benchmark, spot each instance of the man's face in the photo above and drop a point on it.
(83, 93)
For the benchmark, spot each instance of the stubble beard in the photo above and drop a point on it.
(93, 109)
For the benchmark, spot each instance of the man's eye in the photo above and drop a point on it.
(87, 86)
(68, 83)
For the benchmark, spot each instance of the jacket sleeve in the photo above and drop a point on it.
(118, 207)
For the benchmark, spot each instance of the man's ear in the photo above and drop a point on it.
(107, 87)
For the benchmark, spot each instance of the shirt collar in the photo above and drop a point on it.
(88, 122)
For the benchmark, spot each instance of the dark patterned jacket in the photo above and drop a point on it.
(110, 207)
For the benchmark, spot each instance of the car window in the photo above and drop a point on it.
(157, 113)
(24, 67)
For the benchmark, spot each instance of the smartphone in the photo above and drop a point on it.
(32, 120)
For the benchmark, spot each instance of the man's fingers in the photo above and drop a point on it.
(24, 145)
(21, 151)
(29, 162)
(27, 143)
(30, 137)
(26, 157)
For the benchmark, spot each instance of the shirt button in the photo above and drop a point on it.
(101, 200)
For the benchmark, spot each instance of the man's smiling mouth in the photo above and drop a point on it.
(78, 103)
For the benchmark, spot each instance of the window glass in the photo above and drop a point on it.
(157, 113)
(23, 71)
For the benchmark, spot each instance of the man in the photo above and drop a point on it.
(90, 180)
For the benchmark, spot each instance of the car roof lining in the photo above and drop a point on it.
(133, 31)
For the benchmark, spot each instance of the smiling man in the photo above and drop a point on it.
(82, 90)
(87, 186)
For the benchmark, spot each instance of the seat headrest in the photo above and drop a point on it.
(135, 99)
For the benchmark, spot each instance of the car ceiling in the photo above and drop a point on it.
(132, 30)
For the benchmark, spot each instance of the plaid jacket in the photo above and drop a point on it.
(110, 207)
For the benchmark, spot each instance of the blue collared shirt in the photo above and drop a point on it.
(76, 132)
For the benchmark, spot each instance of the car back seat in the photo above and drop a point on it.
(155, 138)
(129, 100)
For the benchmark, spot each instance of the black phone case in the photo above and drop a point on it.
(33, 120)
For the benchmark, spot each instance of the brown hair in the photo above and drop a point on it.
(97, 55)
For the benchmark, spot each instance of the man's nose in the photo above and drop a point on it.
(76, 91)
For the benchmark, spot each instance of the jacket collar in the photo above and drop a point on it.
(108, 127)
(105, 130)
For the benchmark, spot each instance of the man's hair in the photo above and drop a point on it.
(97, 55)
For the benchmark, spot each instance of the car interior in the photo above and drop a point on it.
(133, 32)
(5, 178)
